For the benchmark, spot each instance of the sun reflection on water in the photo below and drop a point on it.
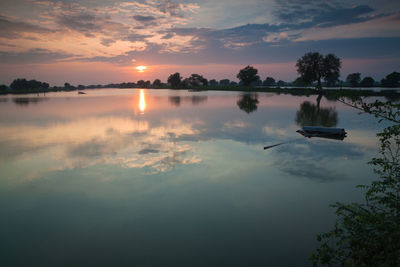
(142, 101)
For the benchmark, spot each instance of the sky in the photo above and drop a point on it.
(101, 41)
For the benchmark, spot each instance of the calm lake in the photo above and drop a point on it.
(173, 178)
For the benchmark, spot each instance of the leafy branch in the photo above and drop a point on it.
(368, 234)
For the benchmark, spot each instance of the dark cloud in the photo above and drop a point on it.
(107, 41)
(301, 14)
(36, 55)
(146, 21)
(170, 8)
(214, 51)
(343, 16)
(14, 29)
(142, 18)
(8, 45)
(134, 37)
(168, 36)
(89, 24)
(147, 151)
(81, 22)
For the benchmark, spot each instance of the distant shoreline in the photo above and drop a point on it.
(300, 91)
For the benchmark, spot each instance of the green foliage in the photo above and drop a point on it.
(248, 75)
(368, 234)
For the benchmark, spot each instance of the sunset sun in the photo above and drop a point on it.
(141, 68)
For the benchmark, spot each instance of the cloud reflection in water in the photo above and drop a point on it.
(100, 140)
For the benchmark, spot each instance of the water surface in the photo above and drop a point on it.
(173, 178)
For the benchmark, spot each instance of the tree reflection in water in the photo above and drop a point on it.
(313, 115)
(248, 102)
(175, 100)
(25, 101)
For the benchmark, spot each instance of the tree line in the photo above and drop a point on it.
(314, 69)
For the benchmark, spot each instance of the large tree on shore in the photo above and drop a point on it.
(354, 79)
(175, 79)
(248, 75)
(367, 82)
(314, 67)
(391, 80)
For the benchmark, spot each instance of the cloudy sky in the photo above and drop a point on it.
(102, 41)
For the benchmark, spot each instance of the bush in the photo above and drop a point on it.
(368, 234)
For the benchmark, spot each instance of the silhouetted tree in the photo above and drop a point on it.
(232, 83)
(224, 82)
(68, 86)
(391, 80)
(213, 82)
(269, 81)
(196, 80)
(157, 82)
(281, 83)
(248, 75)
(3, 87)
(185, 82)
(23, 84)
(300, 82)
(314, 67)
(248, 102)
(141, 84)
(367, 82)
(354, 79)
(175, 79)
(332, 66)
(312, 115)
(256, 82)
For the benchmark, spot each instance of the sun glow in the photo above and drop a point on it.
(141, 68)
(142, 101)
